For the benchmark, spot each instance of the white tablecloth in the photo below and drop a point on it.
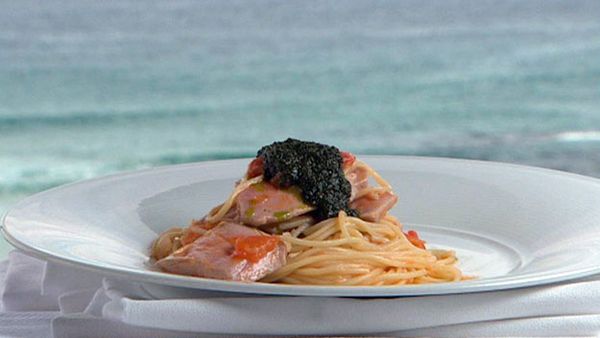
(41, 299)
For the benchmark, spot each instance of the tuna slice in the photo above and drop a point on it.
(263, 203)
(372, 207)
(229, 251)
(359, 180)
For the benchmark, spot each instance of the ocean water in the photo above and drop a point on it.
(89, 88)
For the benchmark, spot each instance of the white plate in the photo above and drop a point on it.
(512, 226)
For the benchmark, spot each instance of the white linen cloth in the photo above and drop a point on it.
(42, 299)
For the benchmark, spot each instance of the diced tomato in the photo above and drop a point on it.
(347, 159)
(253, 248)
(255, 168)
(413, 237)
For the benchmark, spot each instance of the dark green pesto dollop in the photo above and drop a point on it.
(313, 167)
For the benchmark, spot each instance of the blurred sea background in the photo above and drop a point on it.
(89, 88)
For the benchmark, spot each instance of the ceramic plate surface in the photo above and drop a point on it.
(511, 226)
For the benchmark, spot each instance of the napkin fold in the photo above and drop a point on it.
(43, 299)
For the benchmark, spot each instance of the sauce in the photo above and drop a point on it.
(254, 248)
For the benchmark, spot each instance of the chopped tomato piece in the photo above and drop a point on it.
(255, 168)
(347, 159)
(253, 248)
(413, 237)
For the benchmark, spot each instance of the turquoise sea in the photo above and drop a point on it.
(89, 88)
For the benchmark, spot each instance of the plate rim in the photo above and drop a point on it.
(161, 278)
